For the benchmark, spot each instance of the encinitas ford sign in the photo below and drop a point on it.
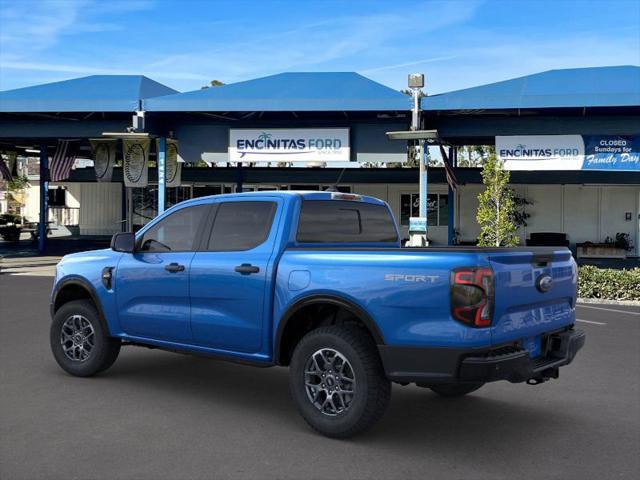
(541, 152)
(289, 145)
(569, 152)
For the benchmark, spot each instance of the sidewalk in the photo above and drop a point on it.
(41, 266)
(56, 246)
(23, 258)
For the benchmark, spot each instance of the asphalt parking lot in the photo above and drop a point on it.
(161, 415)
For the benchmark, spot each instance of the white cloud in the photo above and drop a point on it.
(435, 37)
(408, 64)
(352, 41)
(30, 27)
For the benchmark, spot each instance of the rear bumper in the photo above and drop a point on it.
(508, 362)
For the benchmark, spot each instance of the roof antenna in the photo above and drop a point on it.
(334, 187)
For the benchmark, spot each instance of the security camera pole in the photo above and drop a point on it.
(418, 225)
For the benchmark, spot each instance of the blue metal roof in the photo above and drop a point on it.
(577, 87)
(306, 91)
(96, 93)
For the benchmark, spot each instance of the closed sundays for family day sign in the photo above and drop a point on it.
(569, 152)
(289, 145)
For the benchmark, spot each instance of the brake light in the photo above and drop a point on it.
(346, 196)
(472, 296)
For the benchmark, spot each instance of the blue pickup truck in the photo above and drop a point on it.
(317, 281)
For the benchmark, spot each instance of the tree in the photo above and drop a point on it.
(496, 209)
(213, 83)
(474, 155)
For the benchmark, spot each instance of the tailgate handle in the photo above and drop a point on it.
(541, 259)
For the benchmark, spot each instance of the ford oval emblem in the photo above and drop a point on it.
(544, 283)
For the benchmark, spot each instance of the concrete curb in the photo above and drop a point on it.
(601, 301)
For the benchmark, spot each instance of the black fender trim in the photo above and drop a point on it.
(86, 285)
(331, 300)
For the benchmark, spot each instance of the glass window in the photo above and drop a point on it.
(443, 210)
(176, 195)
(437, 212)
(241, 225)
(432, 209)
(409, 207)
(175, 233)
(57, 197)
(204, 190)
(338, 221)
(144, 207)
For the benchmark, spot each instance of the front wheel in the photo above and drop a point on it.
(455, 389)
(337, 381)
(79, 340)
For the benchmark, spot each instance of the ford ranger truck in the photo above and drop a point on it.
(318, 282)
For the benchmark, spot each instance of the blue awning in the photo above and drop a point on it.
(617, 86)
(96, 93)
(288, 92)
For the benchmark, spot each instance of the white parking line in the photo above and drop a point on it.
(608, 309)
(590, 321)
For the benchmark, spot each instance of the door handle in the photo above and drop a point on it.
(247, 269)
(174, 268)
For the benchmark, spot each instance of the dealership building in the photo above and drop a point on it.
(570, 137)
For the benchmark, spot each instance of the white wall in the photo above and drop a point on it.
(584, 212)
(581, 214)
(546, 211)
(466, 208)
(615, 202)
(31, 208)
(100, 208)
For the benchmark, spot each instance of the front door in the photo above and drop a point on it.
(229, 277)
(152, 284)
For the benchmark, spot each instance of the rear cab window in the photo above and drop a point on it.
(343, 221)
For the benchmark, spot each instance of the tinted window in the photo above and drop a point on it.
(338, 221)
(241, 225)
(175, 233)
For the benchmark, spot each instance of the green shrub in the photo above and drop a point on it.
(608, 284)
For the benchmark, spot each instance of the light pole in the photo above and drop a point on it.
(418, 225)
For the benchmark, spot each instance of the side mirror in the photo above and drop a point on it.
(123, 242)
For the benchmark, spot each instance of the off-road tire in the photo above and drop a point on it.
(372, 391)
(105, 348)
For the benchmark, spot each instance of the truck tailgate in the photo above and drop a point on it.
(534, 292)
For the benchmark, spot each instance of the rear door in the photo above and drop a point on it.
(229, 277)
(152, 284)
(534, 294)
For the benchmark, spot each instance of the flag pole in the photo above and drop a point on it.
(44, 199)
(450, 198)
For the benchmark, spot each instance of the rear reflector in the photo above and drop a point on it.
(472, 296)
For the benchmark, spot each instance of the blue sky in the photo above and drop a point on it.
(184, 44)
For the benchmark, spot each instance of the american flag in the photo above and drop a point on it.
(4, 170)
(62, 161)
(448, 169)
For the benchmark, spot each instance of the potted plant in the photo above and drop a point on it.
(617, 247)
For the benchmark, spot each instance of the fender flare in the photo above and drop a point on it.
(336, 300)
(86, 285)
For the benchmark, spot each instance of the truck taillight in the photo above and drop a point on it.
(472, 296)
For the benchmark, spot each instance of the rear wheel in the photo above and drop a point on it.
(455, 389)
(79, 340)
(337, 381)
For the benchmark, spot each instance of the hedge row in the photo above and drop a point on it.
(608, 284)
